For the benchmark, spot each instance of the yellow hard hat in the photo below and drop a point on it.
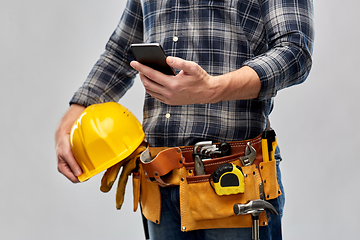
(102, 136)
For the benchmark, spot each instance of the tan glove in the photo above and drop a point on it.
(109, 177)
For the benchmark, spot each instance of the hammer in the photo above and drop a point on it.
(254, 207)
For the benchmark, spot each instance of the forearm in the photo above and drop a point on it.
(243, 83)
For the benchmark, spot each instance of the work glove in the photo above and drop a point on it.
(109, 177)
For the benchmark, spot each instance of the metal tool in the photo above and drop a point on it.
(254, 207)
(206, 150)
(201, 144)
(250, 155)
(261, 191)
(212, 150)
(199, 165)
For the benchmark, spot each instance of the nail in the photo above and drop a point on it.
(170, 60)
(133, 64)
(78, 173)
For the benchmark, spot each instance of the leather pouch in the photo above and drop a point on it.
(269, 179)
(202, 208)
(148, 193)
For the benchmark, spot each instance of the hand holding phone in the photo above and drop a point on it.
(186, 88)
(152, 55)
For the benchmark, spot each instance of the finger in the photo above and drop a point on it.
(127, 169)
(109, 177)
(64, 168)
(186, 66)
(67, 165)
(74, 166)
(149, 83)
(155, 76)
(154, 89)
(147, 71)
(155, 95)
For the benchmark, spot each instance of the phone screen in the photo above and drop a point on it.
(152, 55)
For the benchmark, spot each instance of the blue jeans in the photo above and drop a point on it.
(169, 228)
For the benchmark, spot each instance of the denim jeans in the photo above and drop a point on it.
(169, 227)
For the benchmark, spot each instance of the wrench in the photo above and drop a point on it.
(250, 155)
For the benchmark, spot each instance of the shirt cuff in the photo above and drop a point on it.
(265, 73)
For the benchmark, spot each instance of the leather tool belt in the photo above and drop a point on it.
(201, 207)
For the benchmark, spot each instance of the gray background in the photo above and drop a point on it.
(47, 49)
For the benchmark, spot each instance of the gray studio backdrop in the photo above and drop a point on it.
(47, 49)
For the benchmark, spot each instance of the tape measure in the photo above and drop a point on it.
(228, 179)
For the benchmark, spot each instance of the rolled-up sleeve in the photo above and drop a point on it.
(290, 33)
(112, 74)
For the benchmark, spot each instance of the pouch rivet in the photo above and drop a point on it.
(190, 171)
(183, 228)
(279, 191)
(180, 162)
(156, 174)
(178, 150)
(245, 175)
(267, 196)
(182, 179)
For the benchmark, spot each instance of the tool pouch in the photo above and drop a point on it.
(200, 206)
(148, 193)
(161, 168)
(269, 180)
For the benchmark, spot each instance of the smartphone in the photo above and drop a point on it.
(152, 55)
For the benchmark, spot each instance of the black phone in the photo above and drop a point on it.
(152, 55)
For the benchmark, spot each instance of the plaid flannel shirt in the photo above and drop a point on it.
(274, 37)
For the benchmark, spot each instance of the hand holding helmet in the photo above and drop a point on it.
(107, 136)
